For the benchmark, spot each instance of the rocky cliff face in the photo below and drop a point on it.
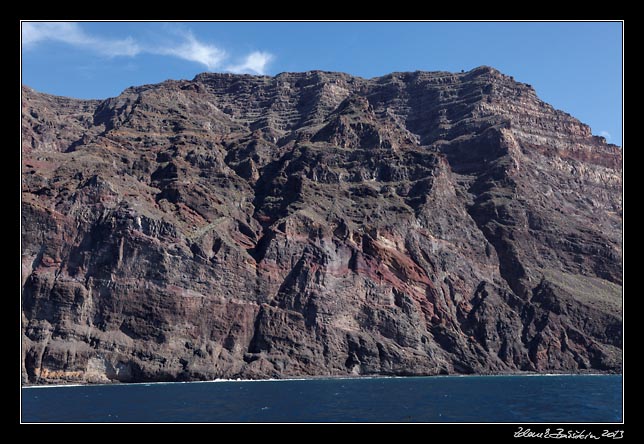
(317, 224)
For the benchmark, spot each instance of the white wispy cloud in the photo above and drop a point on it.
(72, 34)
(605, 134)
(193, 50)
(184, 46)
(254, 63)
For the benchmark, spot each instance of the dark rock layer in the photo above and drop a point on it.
(317, 224)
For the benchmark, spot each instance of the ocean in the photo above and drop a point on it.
(440, 399)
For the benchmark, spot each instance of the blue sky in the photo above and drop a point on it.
(576, 67)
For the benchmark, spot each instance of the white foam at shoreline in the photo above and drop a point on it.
(331, 378)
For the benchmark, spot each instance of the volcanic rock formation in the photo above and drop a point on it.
(317, 224)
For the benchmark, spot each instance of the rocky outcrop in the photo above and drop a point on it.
(317, 224)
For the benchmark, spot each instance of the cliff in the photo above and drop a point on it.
(317, 224)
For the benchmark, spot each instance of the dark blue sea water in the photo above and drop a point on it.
(521, 399)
